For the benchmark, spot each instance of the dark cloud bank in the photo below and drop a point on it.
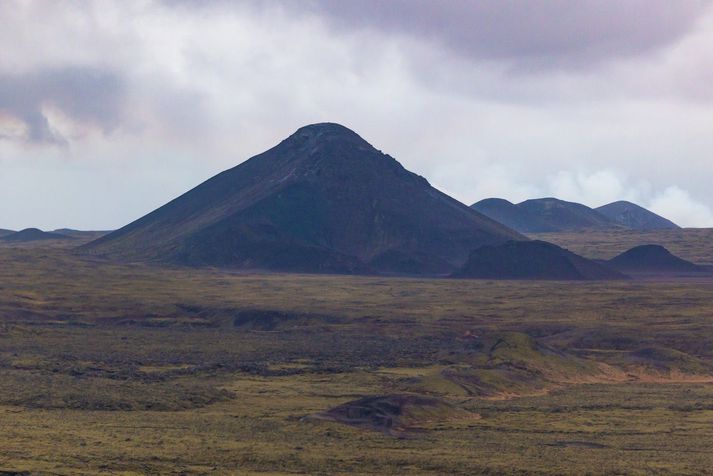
(86, 95)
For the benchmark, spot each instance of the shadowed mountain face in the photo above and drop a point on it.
(513, 216)
(544, 215)
(567, 215)
(4, 232)
(323, 200)
(550, 215)
(652, 258)
(532, 260)
(633, 216)
(32, 234)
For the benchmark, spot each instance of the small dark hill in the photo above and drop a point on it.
(4, 232)
(567, 216)
(652, 258)
(635, 217)
(532, 260)
(322, 201)
(513, 216)
(395, 414)
(32, 234)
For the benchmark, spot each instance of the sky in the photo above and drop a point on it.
(109, 109)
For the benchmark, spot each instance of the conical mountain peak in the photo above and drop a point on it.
(326, 130)
(323, 200)
(325, 136)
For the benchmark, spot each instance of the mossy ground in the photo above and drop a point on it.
(133, 369)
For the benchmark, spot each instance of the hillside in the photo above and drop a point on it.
(513, 216)
(691, 244)
(652, 258)
(544, 215)
(32, 234)
(323, 200)
(565, 216)
(532, 260)
(635, 217)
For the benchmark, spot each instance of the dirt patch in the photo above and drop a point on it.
(269, 320)
(396, 415)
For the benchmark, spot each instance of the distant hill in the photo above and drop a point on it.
(635, 217)
(544, 215)
(32, 234)
(4, 232)
(323, 200)
(532, 260)
(652, 258)
(567, 216)
(513, 216)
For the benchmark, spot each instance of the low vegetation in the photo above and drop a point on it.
(135, 369)
(692, 244)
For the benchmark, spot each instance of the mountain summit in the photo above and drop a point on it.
(323, 200)
(636, 217)
(544, 215)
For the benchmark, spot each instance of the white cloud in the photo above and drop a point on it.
(678, 205)
(202, 89)
(598, 188)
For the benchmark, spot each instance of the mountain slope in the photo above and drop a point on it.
(544, 215)
(513, 216)
(652, 258)
(323, 200)
(567, 216)
(633, 216)
(4, 232)
(532, 260)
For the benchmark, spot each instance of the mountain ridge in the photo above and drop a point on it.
(32, 234)
(552, 215)
(635, 216)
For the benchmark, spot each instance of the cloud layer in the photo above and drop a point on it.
(108, 109)
(547, 33)
(86, 95)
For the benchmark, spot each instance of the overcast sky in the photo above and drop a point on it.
(109, 109)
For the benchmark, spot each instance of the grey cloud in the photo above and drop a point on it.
(542, 33)
(86, 95)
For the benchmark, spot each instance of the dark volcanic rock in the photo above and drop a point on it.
(323, 200)
(633, 216)
(32, 234)
(532, 260)
(652, 258)
(395, 414)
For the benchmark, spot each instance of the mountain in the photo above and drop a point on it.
(32, 234)
(513, 216)
(567, 216)
(633, 216)
(532, 260)
(544, 215)
(323, 200)
(652, 258)
(4, 232)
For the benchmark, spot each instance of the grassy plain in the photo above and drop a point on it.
(693, 244)
(134, 369)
